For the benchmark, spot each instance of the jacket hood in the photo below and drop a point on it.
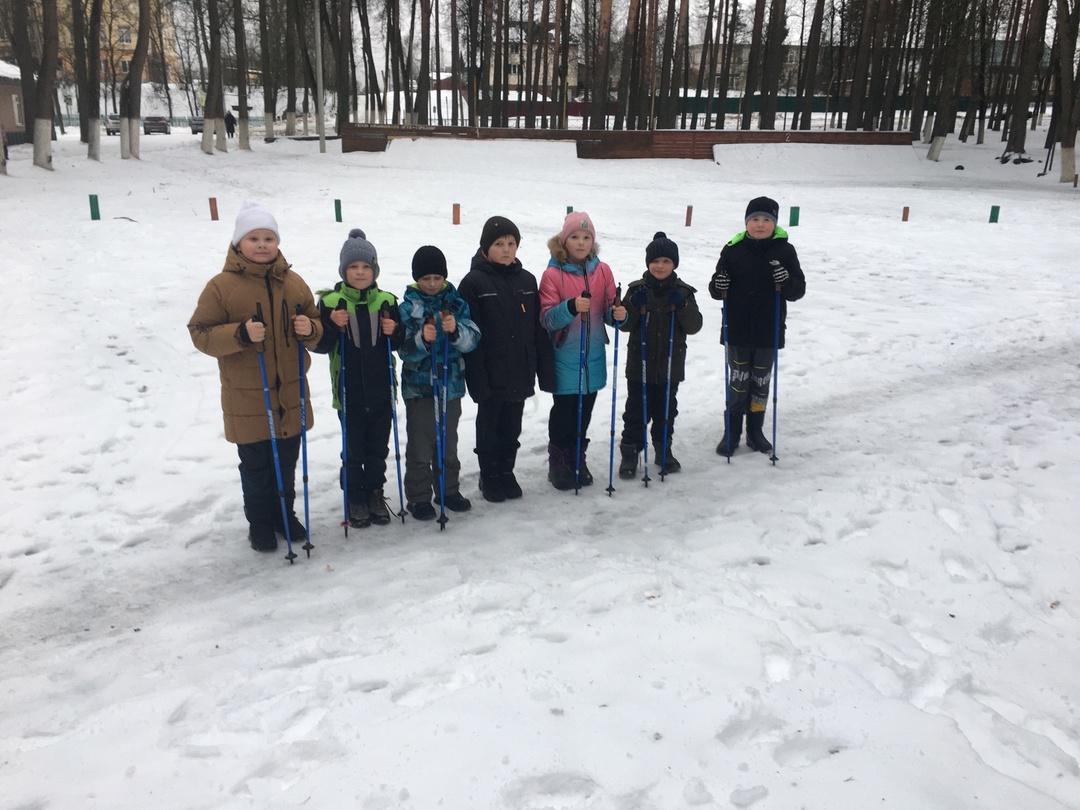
(779, 233)
(559, 254)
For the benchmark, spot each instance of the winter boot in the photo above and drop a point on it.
(297, 531)
(456, 502)
(260, 527)
(560, 467)
(736, 434)
(491, 479)
(670, 463)
(359, 515)
(511, 487)
(421, 510)
(584, 476)
(628, 465)
(380, 515)
(755, 439)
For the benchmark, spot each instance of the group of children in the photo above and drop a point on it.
(498, 335)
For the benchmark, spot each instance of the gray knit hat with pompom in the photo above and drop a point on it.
(358, 249)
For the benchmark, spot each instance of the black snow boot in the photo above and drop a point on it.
(583, 475)
(511, 487)
(670, 463)
(380, 515)
(736, 434)
(561, 466)
(628, 464)
(491, 478)
(755, 439)
(260, 519)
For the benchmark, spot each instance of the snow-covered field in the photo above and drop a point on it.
(888, 617)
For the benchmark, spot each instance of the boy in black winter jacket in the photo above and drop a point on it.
(652, 302)
(369, 319)
(757, 274)
(514, 350)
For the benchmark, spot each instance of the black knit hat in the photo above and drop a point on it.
(661, 247)
(762, 207)
(496, 227)
(428, 261)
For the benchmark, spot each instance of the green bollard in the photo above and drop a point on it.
(994, 211)
(793, 220)
(569, 209)
(94, 212)
(337, 210)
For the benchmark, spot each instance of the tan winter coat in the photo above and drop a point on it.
(228, 301)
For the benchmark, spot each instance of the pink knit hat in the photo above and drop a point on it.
(576, 221)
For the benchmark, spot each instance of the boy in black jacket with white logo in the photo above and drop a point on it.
(757, 274)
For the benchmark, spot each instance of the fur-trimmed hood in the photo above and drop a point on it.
(559, 254)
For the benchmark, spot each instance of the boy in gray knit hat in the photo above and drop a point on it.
(360, 322)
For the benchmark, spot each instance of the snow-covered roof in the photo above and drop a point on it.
(8, 70)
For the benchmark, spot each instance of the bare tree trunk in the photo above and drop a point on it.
(1068, 29)
(772, 61)
(342, 67)
(214, 109)
(243, 136)
(808, 88)
(1025, 75)
(131, 88)
(753, 64)
(269, 89)
(952, 54)
(860, 77)
(622, 93)
(50, 48)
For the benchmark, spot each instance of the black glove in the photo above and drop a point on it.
(676, 299)
(640, 298)
(721, 283)
(779, 272)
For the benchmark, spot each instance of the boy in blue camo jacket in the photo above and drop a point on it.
(435, 318)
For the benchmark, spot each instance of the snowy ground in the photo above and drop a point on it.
(885, 618)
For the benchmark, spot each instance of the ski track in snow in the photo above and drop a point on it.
(740, 635)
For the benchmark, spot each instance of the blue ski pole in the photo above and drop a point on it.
(303, 441)
(436, 406)
(445, 389)
(291, 555)
(385, 313)
(776, 370)
(344, 422)
(580, 395)
(667, 397)
(727, 378)
(614, 386)
(644, 323)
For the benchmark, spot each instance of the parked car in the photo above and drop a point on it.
(196, 124)
(156, 123)
(112, 124)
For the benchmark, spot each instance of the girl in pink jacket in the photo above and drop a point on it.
(577, 298)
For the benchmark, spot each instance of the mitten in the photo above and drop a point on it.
(676, 299)
(640, 298)
(779, 272)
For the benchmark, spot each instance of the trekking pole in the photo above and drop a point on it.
(667, 396)
(445, 397)
(303, 442)
(614, 386)
(344, 422)
(776, 371)
(727, 375)
(291, 555)
(644, 323)
(580, 395)
(385, 313)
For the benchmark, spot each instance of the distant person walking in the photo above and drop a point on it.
(230, 124)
